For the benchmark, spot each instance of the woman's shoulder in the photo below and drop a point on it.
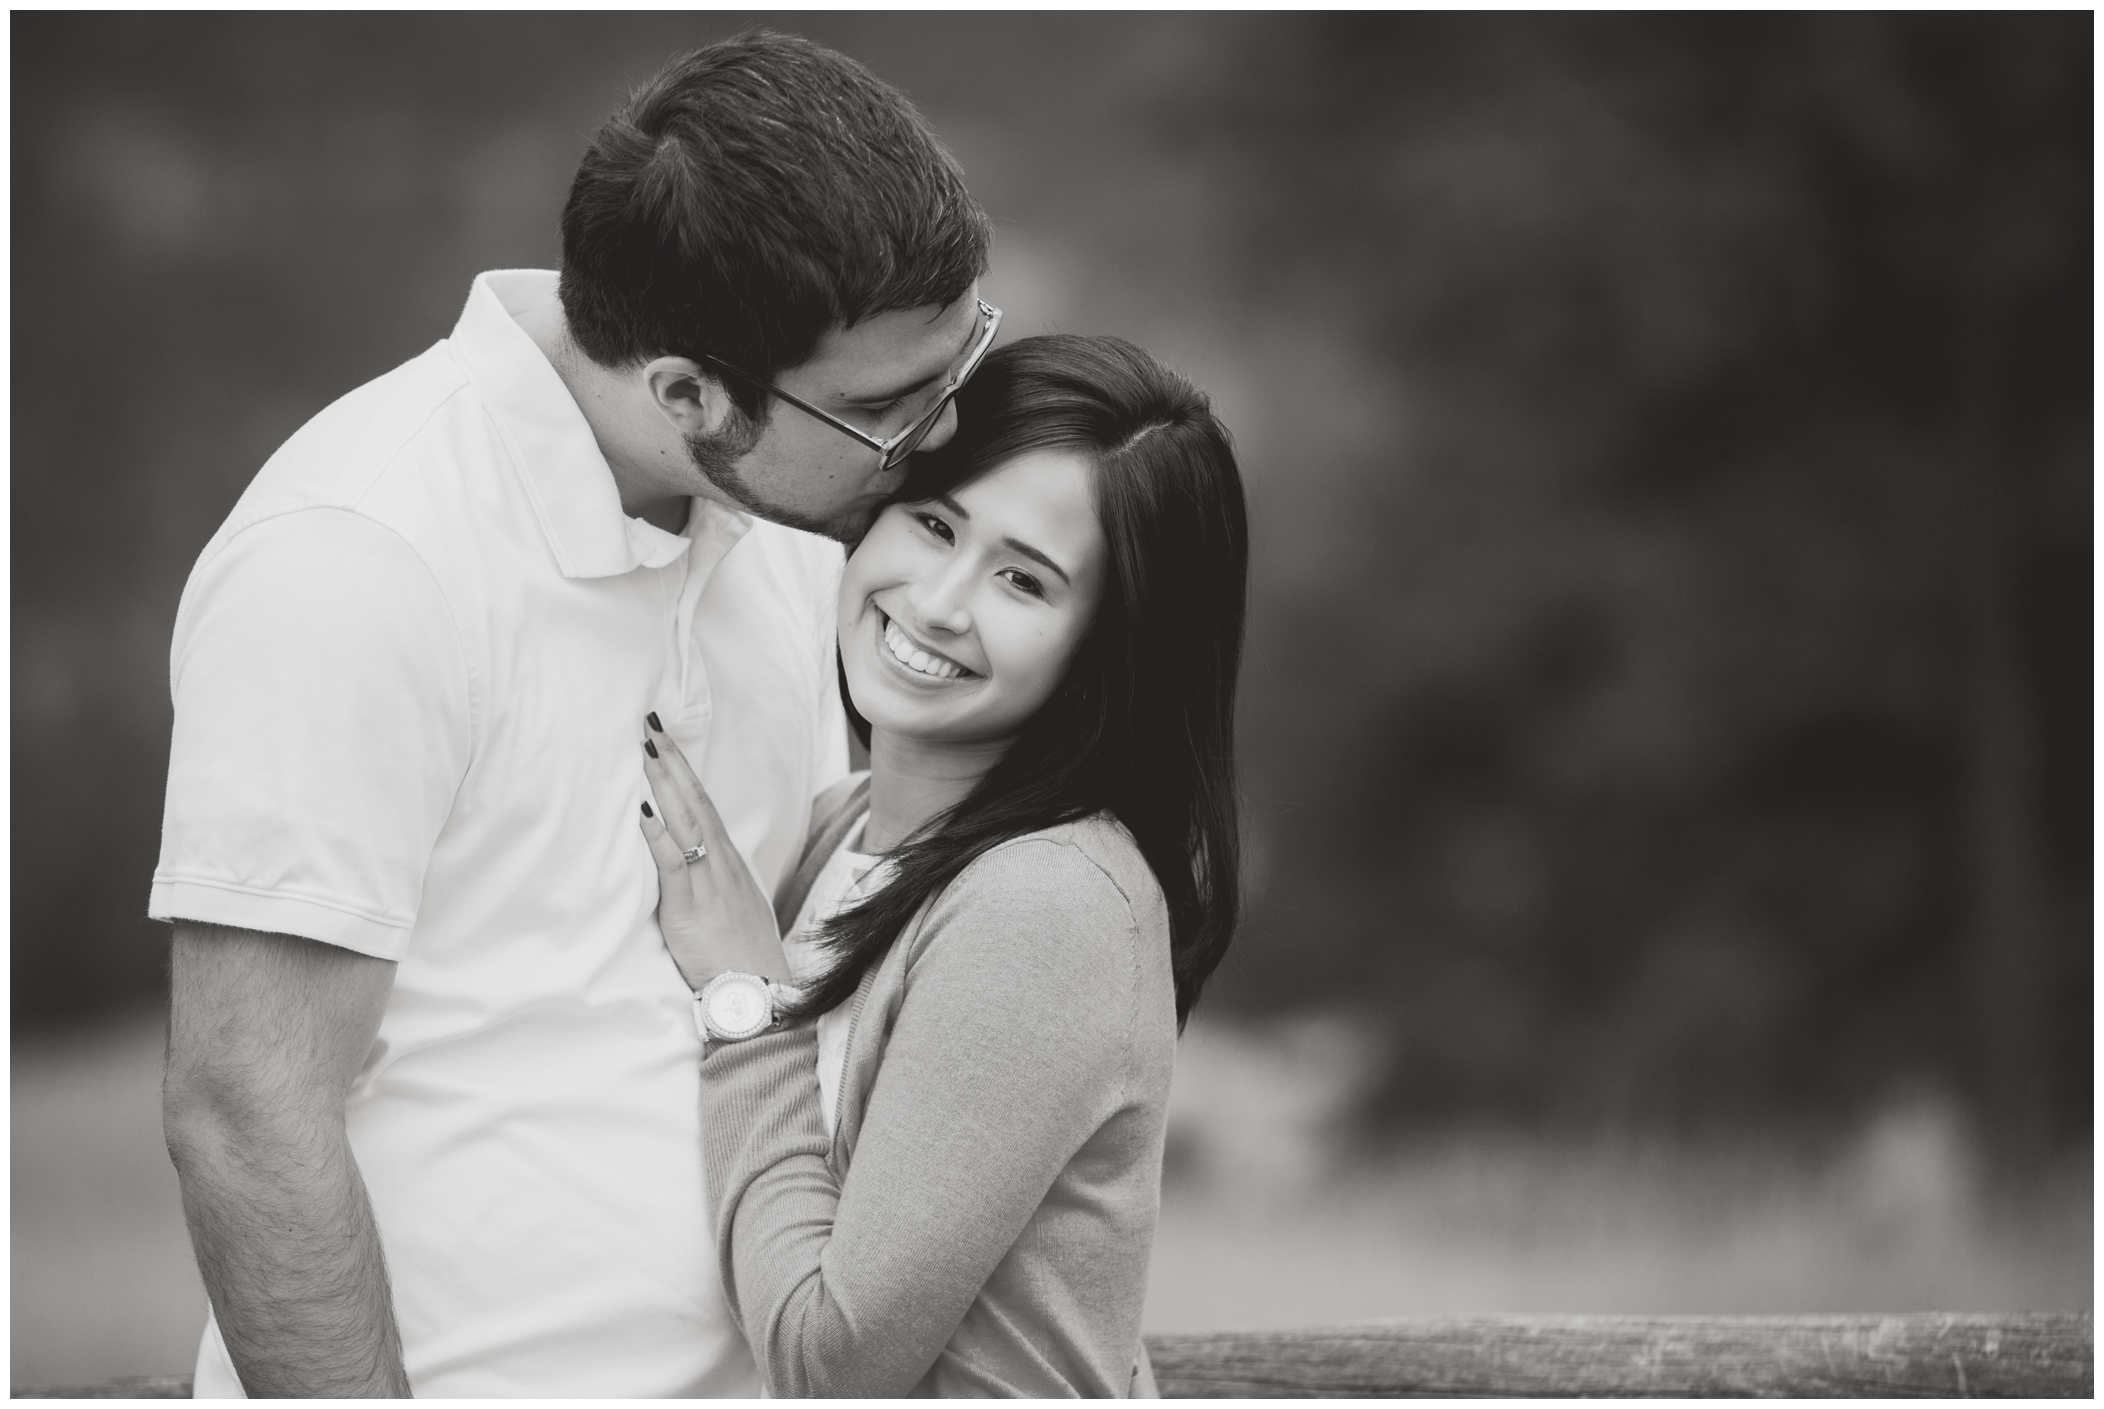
(1070, 915)
(1089, 863)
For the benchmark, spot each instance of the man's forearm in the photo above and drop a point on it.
(286, 1243)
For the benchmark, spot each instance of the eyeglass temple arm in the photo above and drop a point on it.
(794, 400)
(993, 317)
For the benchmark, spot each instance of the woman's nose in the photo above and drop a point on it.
(939, 601)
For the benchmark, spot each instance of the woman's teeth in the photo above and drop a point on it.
(914, 658)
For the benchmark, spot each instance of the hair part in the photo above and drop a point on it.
(1142, 725)
(751, 197)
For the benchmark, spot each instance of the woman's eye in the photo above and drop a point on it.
(936, 526)
(1023, 582)
(879, 412)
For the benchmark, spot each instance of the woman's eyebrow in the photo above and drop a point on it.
(1034, 555)
(1014, 544)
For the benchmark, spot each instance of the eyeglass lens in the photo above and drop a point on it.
(919, 433)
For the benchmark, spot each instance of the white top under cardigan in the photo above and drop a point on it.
(849, 874)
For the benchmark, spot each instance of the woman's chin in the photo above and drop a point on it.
(901, 720)
(890, 709)
(924, 724)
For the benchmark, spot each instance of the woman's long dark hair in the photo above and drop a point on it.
(1143, 724)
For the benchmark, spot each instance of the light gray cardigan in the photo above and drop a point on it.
(981, 1220)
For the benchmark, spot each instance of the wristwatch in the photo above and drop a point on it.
(733, 1006)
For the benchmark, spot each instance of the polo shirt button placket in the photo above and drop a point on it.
(693, 731)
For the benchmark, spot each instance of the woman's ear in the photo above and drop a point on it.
(695, 403)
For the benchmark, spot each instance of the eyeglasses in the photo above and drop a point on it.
(890, 452)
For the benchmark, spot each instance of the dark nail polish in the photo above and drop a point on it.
(647, 812)
(650, 748)
(652, 717)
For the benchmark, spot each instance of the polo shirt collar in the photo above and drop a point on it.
(566, 477)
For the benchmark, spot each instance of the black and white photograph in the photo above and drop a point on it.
(866, 704)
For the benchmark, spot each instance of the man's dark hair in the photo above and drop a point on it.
(753, 195)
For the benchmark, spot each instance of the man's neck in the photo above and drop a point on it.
(912, 781)
(644, 470)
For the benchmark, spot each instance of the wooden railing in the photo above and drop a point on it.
(2028, 1355)
(2034, 1355)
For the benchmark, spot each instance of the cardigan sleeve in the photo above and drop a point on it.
(1009, 1050)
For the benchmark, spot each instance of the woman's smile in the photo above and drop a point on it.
(927, 665)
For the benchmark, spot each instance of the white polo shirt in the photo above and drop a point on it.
(410, 675)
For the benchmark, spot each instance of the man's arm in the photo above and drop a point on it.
(266, 1034)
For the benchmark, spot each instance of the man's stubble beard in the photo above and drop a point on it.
(715, 458)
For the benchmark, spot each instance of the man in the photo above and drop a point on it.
(431, 1083)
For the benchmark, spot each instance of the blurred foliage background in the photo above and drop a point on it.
(1668, 701)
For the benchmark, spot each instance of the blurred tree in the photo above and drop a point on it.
(1669, 440)
(1670, 731)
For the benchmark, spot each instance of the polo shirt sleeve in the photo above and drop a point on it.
(321, 731)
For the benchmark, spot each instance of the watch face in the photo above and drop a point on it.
(738, 1007)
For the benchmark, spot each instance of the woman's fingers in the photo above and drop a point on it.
(664, 850)
(663, 756)
(681, 809)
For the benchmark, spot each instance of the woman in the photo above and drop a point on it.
(947, 1184)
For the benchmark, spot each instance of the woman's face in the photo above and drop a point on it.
(959, 614)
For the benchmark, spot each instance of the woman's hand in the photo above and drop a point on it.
(714, 915)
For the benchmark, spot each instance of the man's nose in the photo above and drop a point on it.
(945, 427)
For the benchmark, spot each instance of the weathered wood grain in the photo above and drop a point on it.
(1706, 1357)
(2032, 1355)
(136, 1387)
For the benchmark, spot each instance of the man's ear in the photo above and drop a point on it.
(692, 400)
